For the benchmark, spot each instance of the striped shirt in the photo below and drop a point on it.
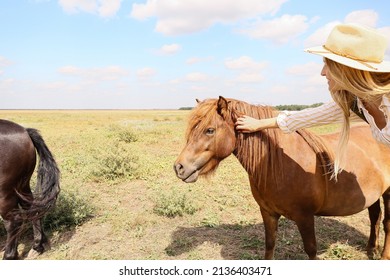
(331, 113)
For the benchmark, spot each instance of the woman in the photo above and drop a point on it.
(358, 80)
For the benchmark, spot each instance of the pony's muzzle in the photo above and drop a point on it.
(185, 174)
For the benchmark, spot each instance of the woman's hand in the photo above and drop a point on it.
(248, 124)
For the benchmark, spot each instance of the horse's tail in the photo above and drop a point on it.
(48, 177)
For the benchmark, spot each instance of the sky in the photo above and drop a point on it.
(164, 54)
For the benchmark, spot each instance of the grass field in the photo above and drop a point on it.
(120, 198)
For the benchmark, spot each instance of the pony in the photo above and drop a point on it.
(290, 173)
(18, 149)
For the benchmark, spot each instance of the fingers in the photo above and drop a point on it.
(242, 129)
(241, 124)
(241, 120)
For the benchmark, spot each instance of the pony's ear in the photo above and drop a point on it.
(198, 101)
(222, 106)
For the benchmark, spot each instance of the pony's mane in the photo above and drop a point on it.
(259, 153)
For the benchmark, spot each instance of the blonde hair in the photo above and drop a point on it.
(349, 84)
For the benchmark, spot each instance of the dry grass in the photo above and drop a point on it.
(117, 178)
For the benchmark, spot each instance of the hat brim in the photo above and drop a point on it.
(384, 66)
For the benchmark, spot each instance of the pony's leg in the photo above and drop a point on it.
(11, 247)
(386, 225)
(375, 214)
(306, 228)
(271, 228)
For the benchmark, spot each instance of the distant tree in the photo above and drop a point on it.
(186, 108)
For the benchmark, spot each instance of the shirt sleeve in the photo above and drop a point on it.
(290, 121)
(381, 135)
(325, 114)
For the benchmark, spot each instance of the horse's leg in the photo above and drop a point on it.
(13, 231)
(12, 224)
(39, 236)
(271, 228)
(375, 214)
(386, 225)
(306, 228)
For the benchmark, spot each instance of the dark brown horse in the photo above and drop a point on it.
(289, 174)
(18, 147)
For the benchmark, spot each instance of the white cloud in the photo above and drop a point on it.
(4, 61)
(109, 8)
(386, 32)
(183, 17)
(279, 30)
(249, 70)
(245, 63)
(108, 73)
(70, 70)
(318, 38)
(365, 17)
(196, 77)
(170, 49)
(194, 60)
(249, 77)
(146, 72)
(280, 90)
(52, 85)
(305, 69)
(103, 8)
(174, 82)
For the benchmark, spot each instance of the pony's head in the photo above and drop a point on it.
(210, 138)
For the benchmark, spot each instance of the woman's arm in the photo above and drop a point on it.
(292, 121)
(325, 114)
(248, 124)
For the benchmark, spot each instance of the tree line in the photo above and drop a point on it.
(292, 107)
(295, 107)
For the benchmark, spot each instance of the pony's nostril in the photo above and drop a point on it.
(178, 168)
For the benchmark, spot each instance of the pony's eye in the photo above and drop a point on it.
(210, 131)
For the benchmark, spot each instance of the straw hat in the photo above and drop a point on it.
(355, 46)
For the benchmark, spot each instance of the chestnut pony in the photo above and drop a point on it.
(289, 174)
(18, 147)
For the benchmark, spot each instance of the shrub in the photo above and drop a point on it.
(117, 162)
(123, 134)
(173, 205)
(71, 210)
(127, 135)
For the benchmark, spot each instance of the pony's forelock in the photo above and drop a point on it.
(201, 117)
